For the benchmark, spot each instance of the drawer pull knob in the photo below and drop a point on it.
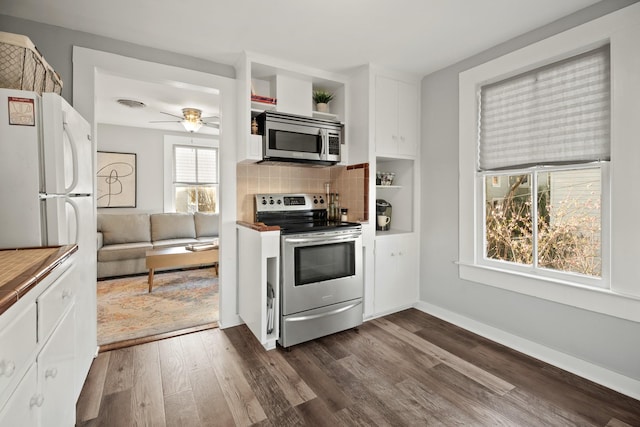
(66, 294)
(51, 373)
(7, 368)
(36, 400)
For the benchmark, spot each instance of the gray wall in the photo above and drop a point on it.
(148, 144)
(56, 45)
(606, 341)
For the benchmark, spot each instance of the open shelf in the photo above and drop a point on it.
(262, 106)
(400, 195)
(328, 116)
(391, 232)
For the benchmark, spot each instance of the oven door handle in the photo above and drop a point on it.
(321, 239)
(328, 313)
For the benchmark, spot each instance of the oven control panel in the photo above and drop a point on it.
(289, 202)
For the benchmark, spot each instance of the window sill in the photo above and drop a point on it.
(598, 300)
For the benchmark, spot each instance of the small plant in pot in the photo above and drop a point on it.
(322, 98)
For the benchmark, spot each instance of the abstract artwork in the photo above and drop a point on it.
(116, 180)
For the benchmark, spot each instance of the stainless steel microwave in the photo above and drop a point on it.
(291, 138)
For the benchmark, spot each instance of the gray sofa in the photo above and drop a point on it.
(124, 239)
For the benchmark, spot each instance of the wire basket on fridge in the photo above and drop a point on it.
(23, 67)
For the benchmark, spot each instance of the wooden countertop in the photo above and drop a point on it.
(259, 226)
(22, 269)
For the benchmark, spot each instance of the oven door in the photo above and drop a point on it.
(320, 269)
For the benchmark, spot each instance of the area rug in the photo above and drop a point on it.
(179, 300)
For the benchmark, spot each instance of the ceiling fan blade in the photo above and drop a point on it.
(210, 117)
(212, 125)
(165, 121)
(172, 115)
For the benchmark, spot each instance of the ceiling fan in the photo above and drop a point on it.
(192, 120)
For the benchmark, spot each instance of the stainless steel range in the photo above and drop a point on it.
(321, 280)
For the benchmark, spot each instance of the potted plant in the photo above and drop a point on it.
(322, 98)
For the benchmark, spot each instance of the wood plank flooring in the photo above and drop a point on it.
(405, 369)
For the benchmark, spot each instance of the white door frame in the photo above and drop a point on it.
(87, 63)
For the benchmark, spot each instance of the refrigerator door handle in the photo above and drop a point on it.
(76, 211)
(74, 155)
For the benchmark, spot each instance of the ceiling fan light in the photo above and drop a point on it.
(192, 126)
(191, 122)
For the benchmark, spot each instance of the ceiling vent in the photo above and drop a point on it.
(131, 103)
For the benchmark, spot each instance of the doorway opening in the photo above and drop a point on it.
(166, 90)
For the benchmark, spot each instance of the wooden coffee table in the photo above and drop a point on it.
(179, 257)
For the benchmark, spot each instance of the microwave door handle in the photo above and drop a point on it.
(324, 139)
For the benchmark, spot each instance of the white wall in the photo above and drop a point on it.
(603, 341)
(148, 144)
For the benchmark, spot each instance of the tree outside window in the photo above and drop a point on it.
(561, 232)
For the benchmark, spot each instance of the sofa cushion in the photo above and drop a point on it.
(124, 228)
(206, 224)
(124, 251)
(172, 226)
(168, 243)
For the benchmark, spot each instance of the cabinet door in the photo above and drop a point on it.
(396, 270)
(56, 373)
(22, 407)
(17, 344)
(407, 119)
(386, 126)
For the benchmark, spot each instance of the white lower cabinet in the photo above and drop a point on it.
(41, 376)
(257, 306)
(21, 409)
(56, 374)
(43, 396)
(396, 273)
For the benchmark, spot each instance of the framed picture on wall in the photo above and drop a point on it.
(116, 180)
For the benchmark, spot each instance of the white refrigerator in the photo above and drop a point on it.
(47, 193)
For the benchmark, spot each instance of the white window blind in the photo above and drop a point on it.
(555, 114)
(195, 165)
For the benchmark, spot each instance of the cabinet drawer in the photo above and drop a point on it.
(18, 343)
(22, 407)
(54, 302)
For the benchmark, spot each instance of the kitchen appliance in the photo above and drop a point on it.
(289, 138)
(46, 171)
(321, 278)
(383, 215)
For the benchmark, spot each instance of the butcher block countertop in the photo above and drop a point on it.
(22, 269)
(259, 226)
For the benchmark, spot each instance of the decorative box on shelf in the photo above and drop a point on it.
(263, 99)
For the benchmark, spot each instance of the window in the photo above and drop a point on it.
(615, 290)
(543, 144)
(195, 179)
(548, 219)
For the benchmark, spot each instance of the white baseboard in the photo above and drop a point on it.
(595, 373)
(372, 316)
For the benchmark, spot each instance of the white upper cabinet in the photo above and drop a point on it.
(396, 124)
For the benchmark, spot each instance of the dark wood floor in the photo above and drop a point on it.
(404, 369)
